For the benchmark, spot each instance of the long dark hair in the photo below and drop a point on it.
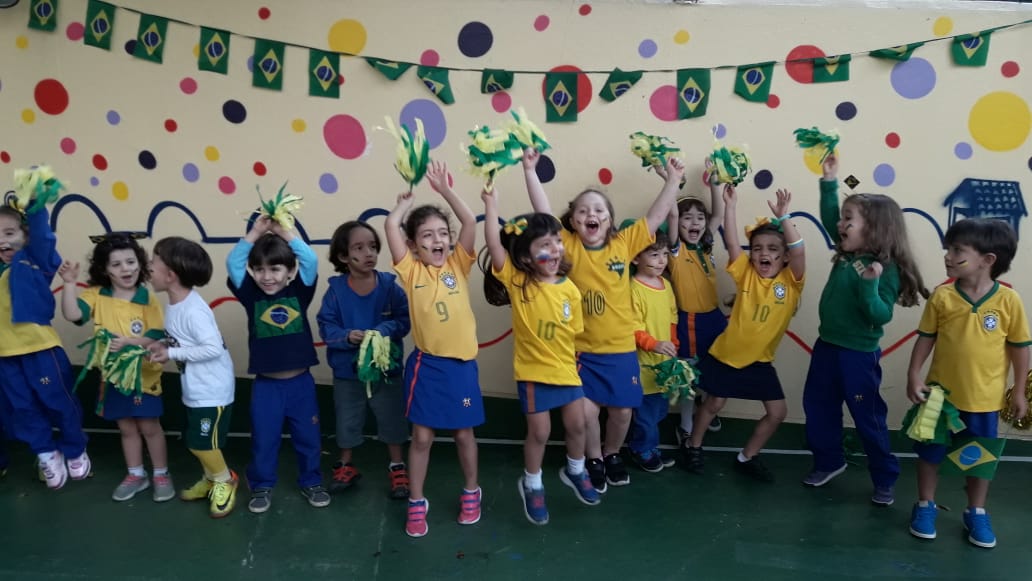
(98, 275)
(517, 246)
(689, 203)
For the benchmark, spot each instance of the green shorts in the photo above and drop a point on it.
(207, 428)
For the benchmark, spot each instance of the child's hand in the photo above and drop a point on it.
(714, 179)
(404, 201)
(665, 348)
(830, 168)
(1018, 404)
(917, 391)
(158, 352)
(489, 194)
(117, 343)
(437, 175)
(356, 336)
(780, 208)
(872, 271)
(530, 158)
(674, 171)
(730, 195)
(69, 271)
(278, 229)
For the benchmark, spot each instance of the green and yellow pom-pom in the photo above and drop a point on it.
(280, 208)
(814, 138)
(526, 132)
(676, 378)
(491, 151)
(412, 155)
(933, 420)
(730, 164)
(377, 356)
(34, 188)
(120, 369)
(652, 149)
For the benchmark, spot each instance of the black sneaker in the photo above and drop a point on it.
(649, 461)
(597, 474)
(754, 469)
(692, 459)
(683, 438)
(715, 425)
(616, 472)
(668, 461)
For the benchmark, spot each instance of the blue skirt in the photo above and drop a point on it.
(442, 393)
(757, 381)
(541, 397)
(611, 379)
(115, 405)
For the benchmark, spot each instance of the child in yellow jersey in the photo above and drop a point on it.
(739, 362)
(976, 327)
(528, 271)
(118, 301)
(600, 258)
(442, 390)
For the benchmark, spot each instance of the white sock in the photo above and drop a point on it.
(394, 465)
(976, 510)
(742, 458)
(923, 503)
(687, 410)
(532, 481)
(574, 467)
(160, 471)
(137, 471)
(46, 456)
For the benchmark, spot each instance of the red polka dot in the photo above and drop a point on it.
(801, 71)
(501, 102)
(773, 101)
(1010, 69)
(68, 145)
(892, 140)
(340, 79)
(188, 85)
(5, 157)
(227, 185)
(605, 176)
(584, 9)
(51, 96)
(75, 31)
(171, 126)
(99, 162)
(264, 13)
(259, 168)
(583, 85)
(430, 58)
(541, 23)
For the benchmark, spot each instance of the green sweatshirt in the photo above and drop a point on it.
(853, 310)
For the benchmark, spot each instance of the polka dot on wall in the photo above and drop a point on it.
(130, 46)
(773, 101)
(963, 150)
(191, 173)
(682, 37)
(188, 86)
(884, 175)
(347, 36)
(227, 185)
(763, 179)
(845, 110)
(259, 168)
(719, 131)
(328, 183)
(21, 42)
(171, 126)
(51, 96)
(120, 191)
(541, 23)
(475, 39)
(584, 9)
(234, 111)
(605, 176)
(75, 31)
(647, 48)
(913, 79)
(211, 153)
(298, 125)
(68, 145)
(892, 140)
(545, 169)
(264, 13)
(5, 157)
(942, 26)
(113, 118)
(501, 102)
(1010, 69)
(147, 160)
(344, 136)
(663, 103)
(430, 58)
(100, 162)
(28, 116)
(94, 181)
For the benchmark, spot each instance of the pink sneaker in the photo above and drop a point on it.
(469, 507)
(53, 470)
(79, 468)
(416, 525)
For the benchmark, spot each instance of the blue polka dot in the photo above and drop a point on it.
(191, 173)
(147, 160)
(113, 117)
(250, 64)
(845, 111)
(234, 111)
(763, 179)
(963, 150)
(94, 182)
(719, 131)
(475, 39)
(884, 175)
(647, 49)
(328, 183)
(545, 169)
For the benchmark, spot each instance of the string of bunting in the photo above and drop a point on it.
(752, 81)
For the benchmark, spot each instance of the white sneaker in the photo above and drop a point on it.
(79, 468)
(54, 471)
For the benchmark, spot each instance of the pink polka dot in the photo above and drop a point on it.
(429, 58)
(227, 185)
(892, 140)
(605, 176)
(584, 9)
(344, 136)
(75, 31)
(773, 101)
(1010, 69)
(663, 103)
(541, 23)
(68, 145)
(188, 85)
(501, 101)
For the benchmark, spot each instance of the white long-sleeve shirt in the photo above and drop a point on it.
(196, 345)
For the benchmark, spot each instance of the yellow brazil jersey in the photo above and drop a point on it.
(603, 277)
(139, 317)
(694, 276)
(442, 318)
(760, 317)
(970, 356)
(545, 323)
(657, 311)
(21, 338)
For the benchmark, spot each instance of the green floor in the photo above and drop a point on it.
(670, 525)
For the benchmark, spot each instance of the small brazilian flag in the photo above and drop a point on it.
(495, 80)
(323, 71)
(390, 69)
(560, 97)
(833, 69)
(43, 15)
(618, 83)
(971, 50)
(268, 64)
(974, 457)
(214, 53)
(436, 80)
(896, 53)
(150, 38)
(100, 21)
(693, 86)
(752, 82)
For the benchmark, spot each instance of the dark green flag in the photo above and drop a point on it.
(436, 80)
(974, 457)
(617, 83)
(752, 82)
(560, 97)
(323, 70)
(832, 69)
(390, 69)
(693, 86)
(214, 55)
(43, 15)
(495, 80)
(268, 64)
(100, 21)
(971, 50)
(896, 53)
(150, 38)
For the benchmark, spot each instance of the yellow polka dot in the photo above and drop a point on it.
(21, 42)
(211, 153)
(298, 125)
(120, 191)
(682, 37)
(197, 51)
(347, 36)
(1000, 121)
(812, 159)
(28, 115)
(943, 26)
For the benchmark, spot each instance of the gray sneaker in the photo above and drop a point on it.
(820, 477)
(260, 501)
(163, 488)
(129, 487)
(316, 495)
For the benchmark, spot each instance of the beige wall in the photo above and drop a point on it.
(144, 95)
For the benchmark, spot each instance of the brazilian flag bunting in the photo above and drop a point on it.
(436, 81)
(833, 69)
(896, 53)
(150, 38)
(43, 15)
(390, 69)
(693, 86)
(100, 21)
(971, 50)
(323, 71)
(214, 53)
(561, 97)
(752, 82)
(617, 83)
(268, 64)
(495, 80)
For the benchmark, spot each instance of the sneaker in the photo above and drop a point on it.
(649, 461)
(754, 469)
(316, 496)
(261, 500)
(54, 471)
(820, 477)
(616, 472)
(668, 461)
(683, 438)
(79, 468)
(922, 520)
(533, 503)
(597, 474)
(714, 425)
(692, 459)
(980, 532)
(399, 482)
(416, 525)
(883, 496)
(199, 491)
(344, 476)
(581, 484)
(163, 488)
(469, 507)
(129, 486)
(223, 496)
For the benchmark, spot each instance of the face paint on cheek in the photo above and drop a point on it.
(543, 257)
(849, 226)
(962, 263)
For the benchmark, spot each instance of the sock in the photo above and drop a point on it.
(46, 456)
(213, 462)
(161, 471)
(416, 501)
(474, 491)
(574, 467)
(742, 458)
(532, 481)
(394, 465)
(923, 503)
(137, 471)
(687, 409)
(976, 510)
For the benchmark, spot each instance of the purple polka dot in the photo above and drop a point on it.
(647, 49)
(234, 111)
(130, 46)
(191, 173)
(884, 175)
(113, 117)
(545, 169)
(913, 79)
(147, 160)
(250, 64)
(962, 150)
(94, 182)
(845, 111)
(763, 179)
(430, 113)
(719, 131)
(475, 39)
(328, 183)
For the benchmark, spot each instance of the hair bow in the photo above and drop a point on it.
(515, 227)
(98, 238)
(761, 222)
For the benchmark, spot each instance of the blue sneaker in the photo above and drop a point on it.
(581, 484)
(980, 532)
(533, 503)
(922, 520)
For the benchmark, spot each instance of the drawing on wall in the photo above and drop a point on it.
(986, 198)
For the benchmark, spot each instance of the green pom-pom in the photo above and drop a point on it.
(730, 164)
(652, 149)
(813, 137)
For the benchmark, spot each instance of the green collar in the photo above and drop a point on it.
(974, 305)
(142, 297)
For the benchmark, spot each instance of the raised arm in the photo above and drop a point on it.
(716, 202)
(660, 209)
(307, 261)
(673, 219)
(437, 175)
(492, 234)
(734, 246)
(69, 273)
(236, 260)
(794, 241)
(538, 197)
(829, 197)
(392, 227)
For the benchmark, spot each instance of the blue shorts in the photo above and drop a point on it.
(441, 392)
(115, 405)
(979, 425)
(541, 397)
(757, 381)
(611, 379)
